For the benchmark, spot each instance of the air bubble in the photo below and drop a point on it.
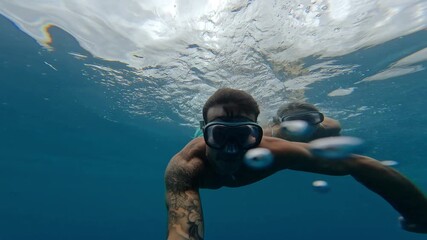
(296, 128)
(389, 163)
(258, 158)
(336, 147)
(320, 186)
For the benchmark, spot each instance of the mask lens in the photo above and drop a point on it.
(312, 118)
(245, 135)
(216, 136)
(248, 136)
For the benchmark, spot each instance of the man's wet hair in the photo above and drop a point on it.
(294, 107)
(245, 102)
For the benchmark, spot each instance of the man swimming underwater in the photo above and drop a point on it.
(317, 124)
(216, 160)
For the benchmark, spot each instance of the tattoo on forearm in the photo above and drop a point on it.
(185, 219)
(185, 215)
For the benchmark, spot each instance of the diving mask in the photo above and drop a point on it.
(245, 134)
(312, 118)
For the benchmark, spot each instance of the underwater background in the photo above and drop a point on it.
(95, 98)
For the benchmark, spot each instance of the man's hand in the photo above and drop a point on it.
(412, 227)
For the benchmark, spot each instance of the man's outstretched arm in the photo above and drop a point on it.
(396, 189)
(185, 218)
(391, 185)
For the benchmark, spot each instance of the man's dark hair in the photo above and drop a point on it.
(242, 99)
(295, 107)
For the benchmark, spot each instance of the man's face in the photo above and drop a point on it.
(228, 159)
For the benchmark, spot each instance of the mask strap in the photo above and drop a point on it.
(202, 124)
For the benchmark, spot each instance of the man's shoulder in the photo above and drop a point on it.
(186, 167)
(190, 158)
(330, 123)
(195, 149)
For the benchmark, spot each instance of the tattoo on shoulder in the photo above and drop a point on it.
(182, 175)
(178, 179)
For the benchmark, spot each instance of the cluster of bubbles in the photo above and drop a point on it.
(331, 148)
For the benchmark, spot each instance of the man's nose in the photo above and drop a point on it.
(231, 148)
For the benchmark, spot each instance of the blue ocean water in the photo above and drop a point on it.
(75, 165)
